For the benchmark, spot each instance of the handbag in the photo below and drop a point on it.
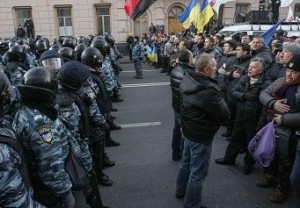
(262, 146)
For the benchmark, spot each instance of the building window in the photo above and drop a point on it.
(173, 24)
(241, 11)
(22, 14)
(103, 19)
(297, 10)
(141, 25)
(64, 19)
(242, 8)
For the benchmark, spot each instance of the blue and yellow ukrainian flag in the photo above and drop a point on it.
(206, 12)
(152, 53)
(190, 14)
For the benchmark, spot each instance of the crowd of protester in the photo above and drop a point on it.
(259, 83)
(56, 120)
(56, 102)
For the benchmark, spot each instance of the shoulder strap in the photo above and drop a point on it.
(16, 146)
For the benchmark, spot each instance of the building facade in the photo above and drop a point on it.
(54, 18)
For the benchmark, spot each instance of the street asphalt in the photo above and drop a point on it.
(145, 175)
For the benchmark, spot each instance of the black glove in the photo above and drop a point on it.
(120, 68)
(120, 56)
(69, 200)
(249, 96)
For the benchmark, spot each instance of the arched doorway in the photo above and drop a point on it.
(141, 25)
(173, 24)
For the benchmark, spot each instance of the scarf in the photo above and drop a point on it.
(286, 91)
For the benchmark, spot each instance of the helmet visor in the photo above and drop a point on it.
(52, 63)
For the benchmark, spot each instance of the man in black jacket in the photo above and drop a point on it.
(237, 69)
(202, 111)
(185, 59)
(248, 113)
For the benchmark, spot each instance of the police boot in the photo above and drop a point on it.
(93, 202)
(113, 108)
(104, 179)
(106, 161)
(115, 98)
(114, 126)
(109, 142)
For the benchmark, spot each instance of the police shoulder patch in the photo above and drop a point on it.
(46, 134)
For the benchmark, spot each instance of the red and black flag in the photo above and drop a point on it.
(135, 8)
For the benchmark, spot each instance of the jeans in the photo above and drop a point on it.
(177, 141)
(193, 171)
(295, 174)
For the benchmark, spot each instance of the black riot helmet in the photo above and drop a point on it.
(16, 53)
(81, 39)
(69, 42)
(52, 60)
(41, 45)
(55, 48)
(38, 37)
(21, 41)
(102, 45)
(73, 74)
(78, 51)
(61, 40)
(3, 46)
(92, 57)
(38, 85)
(67, 53)
(54, 41)
(6, 92)
(31, 43)
(110, 39)
(90, 38)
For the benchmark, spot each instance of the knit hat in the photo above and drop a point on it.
(73, 74)
(293, 47)
(294, 63)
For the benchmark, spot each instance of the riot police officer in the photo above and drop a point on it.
(74, 110)
(16, 66)
(108, 75)
(41, 45)
(39, 130)
(95, 92)
(78, 51)
(14, 181)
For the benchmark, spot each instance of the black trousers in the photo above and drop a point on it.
(243, 132)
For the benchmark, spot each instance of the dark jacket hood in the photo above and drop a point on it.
(193, 82)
